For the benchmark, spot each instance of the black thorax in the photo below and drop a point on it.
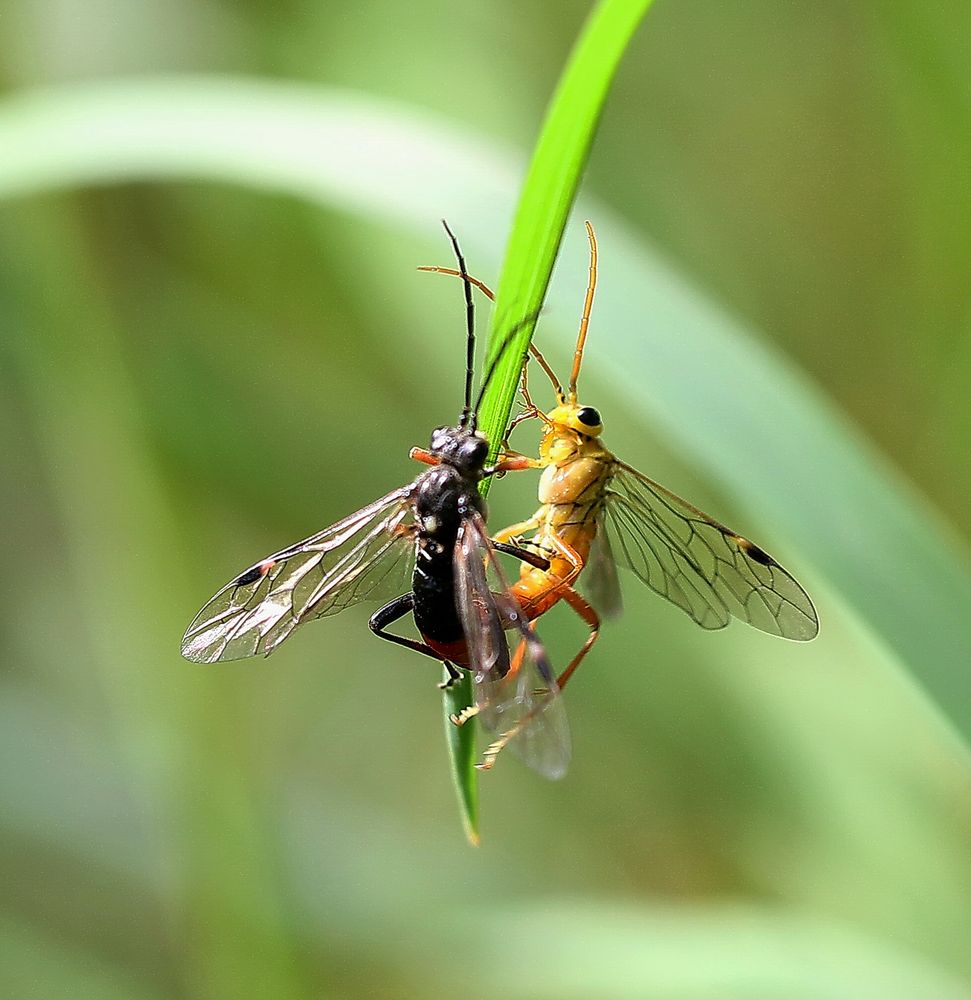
(447, 494)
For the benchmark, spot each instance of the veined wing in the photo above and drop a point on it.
(360, 557)
(517, 696)
(704, 568)
(599, 581)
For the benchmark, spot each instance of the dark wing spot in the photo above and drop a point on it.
(754, 552)
(252, 575)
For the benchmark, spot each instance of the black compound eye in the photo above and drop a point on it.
(476, 450)
(588, 416)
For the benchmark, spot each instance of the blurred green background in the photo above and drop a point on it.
(199, 370)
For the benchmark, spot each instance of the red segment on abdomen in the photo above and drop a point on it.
(456, 652)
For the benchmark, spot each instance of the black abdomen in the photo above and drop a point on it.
(434, 587)
(443, 499)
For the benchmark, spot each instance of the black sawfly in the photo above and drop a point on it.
(433, 531)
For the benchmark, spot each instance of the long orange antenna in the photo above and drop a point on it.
(481, 285)
(585, 319)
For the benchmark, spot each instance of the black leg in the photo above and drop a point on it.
(524, 554)
(392, 612)
(454, 676)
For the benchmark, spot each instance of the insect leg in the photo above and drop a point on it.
(454, 676)
(515, 530)
(394, 611)
(522, 554)
(530, 409)
(513, 462)
(516, 661)
(585, 610)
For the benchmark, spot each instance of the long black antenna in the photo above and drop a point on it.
(470, 327)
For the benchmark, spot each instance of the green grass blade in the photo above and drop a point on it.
(544, 204)
(462, 754)
(550, 189)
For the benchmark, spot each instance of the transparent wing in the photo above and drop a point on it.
(698, 564)
(482, 619)
(599, 581)
(364, 556)
(517, 696)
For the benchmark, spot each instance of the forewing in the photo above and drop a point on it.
(517, 696)
(703, 567)
(367, 555)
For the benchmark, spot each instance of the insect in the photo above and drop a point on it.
(597, 511)
(434, 529)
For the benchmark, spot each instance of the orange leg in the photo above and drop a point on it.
(516, 530)
(517, 660)
(584, 609)
(514, 462)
